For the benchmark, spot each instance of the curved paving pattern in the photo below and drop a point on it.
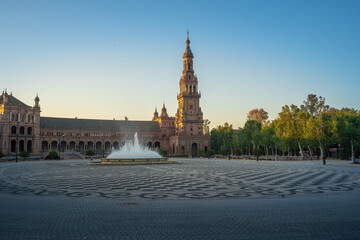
(188, 179)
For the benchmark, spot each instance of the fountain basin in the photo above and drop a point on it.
(131, 161)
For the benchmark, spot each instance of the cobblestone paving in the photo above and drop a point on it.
(193, 199)
(187, 179)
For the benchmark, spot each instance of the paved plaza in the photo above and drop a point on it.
(190, 199)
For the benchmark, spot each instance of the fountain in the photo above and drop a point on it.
(133, 153)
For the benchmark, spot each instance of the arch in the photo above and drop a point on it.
(107, 146)
(194, 89)
(81, 146)
(13, 146)
(54, 146)
(13, 130)
(149, 144)
(29, 146)
(194, 149)
(44, 146)
(21, 145)
(205, 149)
(90, 145)
(29, 131)
(22, 130)
(157, 145)
(98, 146)
(72, 146)
(116, 145)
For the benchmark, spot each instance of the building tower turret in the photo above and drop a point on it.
(189, 117)
(156, 114)
(37, 99)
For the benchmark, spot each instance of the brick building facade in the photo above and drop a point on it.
(23, 129)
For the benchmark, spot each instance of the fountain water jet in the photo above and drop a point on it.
(133, 153)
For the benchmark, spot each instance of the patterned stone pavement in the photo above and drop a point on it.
(193, 199)
(187, 179)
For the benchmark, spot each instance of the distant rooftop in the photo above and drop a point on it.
(11, 100)
(102, 125)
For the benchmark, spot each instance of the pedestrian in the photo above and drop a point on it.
(91, 158)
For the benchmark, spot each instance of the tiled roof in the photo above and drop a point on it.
(94, 124)
(11, 100)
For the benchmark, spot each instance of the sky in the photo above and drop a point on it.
(111, 59)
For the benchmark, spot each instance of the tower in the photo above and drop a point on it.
(189, 137)
(189, 117)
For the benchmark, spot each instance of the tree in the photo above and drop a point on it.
(323, 130)
(126, 118)
(267, 137)
(252, 130)
(290, 124)
(259, 115)
(314, 105)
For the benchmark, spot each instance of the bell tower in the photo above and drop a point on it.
(189, 117)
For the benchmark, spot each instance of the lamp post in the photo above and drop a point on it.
(257, 144)
(103, 147)
(339, 150)
(17, 148)
(64, 144)
(352, 152)
(79, 142)
(59, 146)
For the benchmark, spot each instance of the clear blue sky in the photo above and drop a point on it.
(110, 59)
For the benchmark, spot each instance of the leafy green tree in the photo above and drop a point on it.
(348, 128)
(323, 130)
(252, 132)
(290, 124)
(314, 105)
(268, 137)
(259, 115)
(223, 150)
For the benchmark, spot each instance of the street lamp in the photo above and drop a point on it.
(79, 143)
(352, 152)
(103, 147)
(17, 148)
(64, 145)
(257, 144)
(59, 147)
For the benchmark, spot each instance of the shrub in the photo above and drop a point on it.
(52, 155)
(200, 152)
(1, 155)
(89, 153)
(163, 152)
(210, 152)
(223, 151)
(237, 151)
(24, 154)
